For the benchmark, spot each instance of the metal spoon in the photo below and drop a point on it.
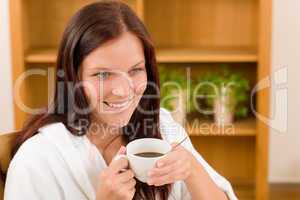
(177, 144)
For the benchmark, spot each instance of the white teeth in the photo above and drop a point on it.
(118, 105)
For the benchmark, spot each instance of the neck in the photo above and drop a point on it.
(102, 135)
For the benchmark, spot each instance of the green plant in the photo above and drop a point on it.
(236, 87)
(173, 80)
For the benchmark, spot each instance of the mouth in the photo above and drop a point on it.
(119, 104)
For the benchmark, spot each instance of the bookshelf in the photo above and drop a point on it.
(171, 55)
(243, 127)
(201, 34)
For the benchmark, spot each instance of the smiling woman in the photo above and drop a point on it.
(115, 86)
(105, 67)
(107, 95)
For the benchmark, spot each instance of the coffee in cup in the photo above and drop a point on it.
(143, 154)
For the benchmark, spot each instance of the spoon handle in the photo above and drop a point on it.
(178, 143)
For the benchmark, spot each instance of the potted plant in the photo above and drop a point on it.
(174, 93)
(225, 93)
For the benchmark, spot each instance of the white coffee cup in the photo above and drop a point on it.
(141, 165)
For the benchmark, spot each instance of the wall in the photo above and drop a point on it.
(285, 147)
(6, 102)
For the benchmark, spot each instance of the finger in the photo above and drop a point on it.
(165, 179)
(125, 176)
(178, 173)
(168, 159)
(130, 193)
(129, 185)
(174, 144)
(117, 165)
(166, 169)
(122, 150)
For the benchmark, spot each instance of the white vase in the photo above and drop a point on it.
(223, 109)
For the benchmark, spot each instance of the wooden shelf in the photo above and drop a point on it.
(178, 55)
(244, 192)
(200, 33)
(182, 55)
(245, 127)
(43, 55)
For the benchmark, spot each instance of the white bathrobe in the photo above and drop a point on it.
(55, 165)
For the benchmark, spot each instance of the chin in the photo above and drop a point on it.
(118, 119)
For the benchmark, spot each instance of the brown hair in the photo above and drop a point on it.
(90, 27)
(2, 175)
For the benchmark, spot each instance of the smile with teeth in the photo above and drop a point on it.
(117, 105)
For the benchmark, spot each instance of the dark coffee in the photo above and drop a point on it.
(149, 154)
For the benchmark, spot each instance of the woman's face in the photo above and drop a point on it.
(114, 79)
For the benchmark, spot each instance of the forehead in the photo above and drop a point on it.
(120, 53)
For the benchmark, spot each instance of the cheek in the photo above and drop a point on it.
(89, 89)
(92, 90)
(140, 84)
(102, 90)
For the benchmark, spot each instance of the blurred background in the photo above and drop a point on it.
(248, 133)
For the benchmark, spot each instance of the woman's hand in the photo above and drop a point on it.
(116, 183)
(180, 164)
(175, 166)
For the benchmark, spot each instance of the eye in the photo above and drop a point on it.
(102, 75)
(136, 70)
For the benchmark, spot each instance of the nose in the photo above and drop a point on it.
(122, 89)
(118, 91)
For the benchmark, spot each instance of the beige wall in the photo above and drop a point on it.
(285, 147)
(6, 106)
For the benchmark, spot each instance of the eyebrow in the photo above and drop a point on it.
(133, 66)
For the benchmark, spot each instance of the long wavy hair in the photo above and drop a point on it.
(2, 175)
(90, 27)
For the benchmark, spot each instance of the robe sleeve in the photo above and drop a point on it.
(175, 133)
(27, 180)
